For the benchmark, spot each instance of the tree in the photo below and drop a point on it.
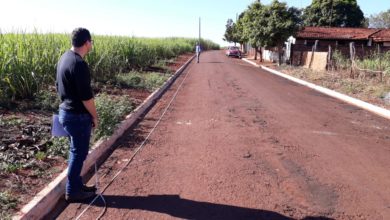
(238, 31)
(334, 13)
(282, 22)
(253, 27)
(381, 20)
(229, 35)
(264, 25)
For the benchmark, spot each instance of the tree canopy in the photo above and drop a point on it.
(253, 22)
(334, 13)
(229, 32)
(381, 20)
(282, 22)
(239, 30)
(269, 25)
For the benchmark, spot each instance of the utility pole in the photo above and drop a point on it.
(199, 31)
(331, 13)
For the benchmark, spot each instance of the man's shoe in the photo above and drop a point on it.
(87, 188)
(79, 197)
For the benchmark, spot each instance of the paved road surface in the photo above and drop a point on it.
(240, 143)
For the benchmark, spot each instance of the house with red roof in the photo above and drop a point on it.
(382, 37)
(324, 39)
(339, 38)
(329, 39)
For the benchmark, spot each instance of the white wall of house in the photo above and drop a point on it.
(270, 56)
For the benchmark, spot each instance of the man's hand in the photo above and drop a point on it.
(95, 123)
(90, 106)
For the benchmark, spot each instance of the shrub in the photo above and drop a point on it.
(40, 155)
(149, 81)
(7, 202)
(340, 61)
(10, 167)
(111, 111)
(154, 80)
(58, 146)
(47, 100)
(130, 80)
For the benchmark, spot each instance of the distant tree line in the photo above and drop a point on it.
(270, 25)
(381, 20)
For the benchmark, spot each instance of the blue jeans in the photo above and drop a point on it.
(78, 126)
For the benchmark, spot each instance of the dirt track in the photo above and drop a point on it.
(240, 143)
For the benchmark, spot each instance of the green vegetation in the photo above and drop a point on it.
(154, 81)
(29, 60)
(46, 100)
(264, 25)
(369, 89)
(11, 121)
(374, 62)
(40, 155)
(381, 20)
(58, 147)
(149, 81)
(111, 111)
(7, 202)
(340, 62)
(270, 25)
(334, 13)
(27, 79)
(10, 167)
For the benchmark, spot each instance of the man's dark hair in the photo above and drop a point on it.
(80, 36)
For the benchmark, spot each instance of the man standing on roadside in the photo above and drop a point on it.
(197, 50)
(77, 111)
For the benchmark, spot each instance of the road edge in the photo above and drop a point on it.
(46, 199)
(348, 99)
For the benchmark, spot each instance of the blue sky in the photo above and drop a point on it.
(148, 18)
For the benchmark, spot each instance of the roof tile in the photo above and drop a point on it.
(337, 33)
(382, 36)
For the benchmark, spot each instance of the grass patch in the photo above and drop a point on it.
(40, 155)
(7, 204)
(369, 90)
(139, 80)
(10, 167)
(154, 80)
(111, 111)
(130, 80)
(162, 64)
(47, 100)
(58, 146)
(11, 121)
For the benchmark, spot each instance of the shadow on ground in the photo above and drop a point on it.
(188, 209)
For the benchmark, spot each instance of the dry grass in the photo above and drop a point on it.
(367, 89)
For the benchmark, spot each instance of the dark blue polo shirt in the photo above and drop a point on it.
(73, 82)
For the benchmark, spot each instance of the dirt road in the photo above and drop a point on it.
(240, 143)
